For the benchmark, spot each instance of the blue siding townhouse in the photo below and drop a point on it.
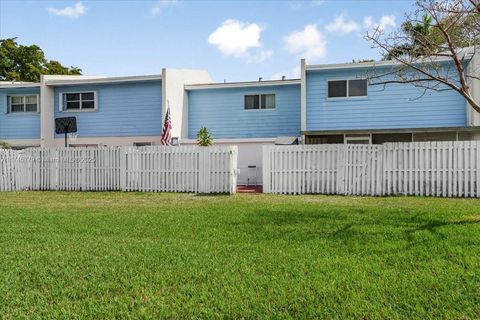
(20, 113)
(341, 104)
(334, 103)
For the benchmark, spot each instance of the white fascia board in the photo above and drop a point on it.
(242, 84)
(67, 82)
(337, 66)
(19, 85)
(232, 140)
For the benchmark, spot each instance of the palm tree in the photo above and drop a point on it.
(421, 39)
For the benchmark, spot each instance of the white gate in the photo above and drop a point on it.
(362, 168)
(448, 169)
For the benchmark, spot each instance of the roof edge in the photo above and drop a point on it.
(101, 80)
(373, 64)
(243, 84)
(19, 85)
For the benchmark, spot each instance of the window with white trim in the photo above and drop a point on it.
(78, 101)
(259, 101)
(347, 88)
(27, 103)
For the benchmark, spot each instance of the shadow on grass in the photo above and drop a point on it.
(212, 195)
(355, 227)
(432, 227)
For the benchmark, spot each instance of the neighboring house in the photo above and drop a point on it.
(332, 103)
(247, 114)
(20, 113)
(115, 110)
(110, 111)
(342, 106)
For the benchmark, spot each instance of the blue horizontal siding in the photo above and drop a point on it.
(18, 125)
(128, 109)
(391, 106)
(222, 111)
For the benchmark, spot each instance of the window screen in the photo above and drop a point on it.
(357, 88)
(252, 102)
(268, 101)
(337, 89)
(79, 101)
(259, 101)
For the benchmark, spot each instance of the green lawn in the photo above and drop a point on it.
(106, 255)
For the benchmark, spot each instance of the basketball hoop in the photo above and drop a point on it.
(72, 136)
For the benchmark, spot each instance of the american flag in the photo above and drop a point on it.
(167, 130)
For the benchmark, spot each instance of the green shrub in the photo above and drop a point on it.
(4, 145)
(204, 137)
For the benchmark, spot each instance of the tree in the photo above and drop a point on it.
(422, 39)
(204, 137)
(27, 63)
(432, 47)
(362, 60)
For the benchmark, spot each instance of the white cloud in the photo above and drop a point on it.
(309, 43)
(157, 8)
(235, 37)
(75, 11)
(341, 25)
(385, 22)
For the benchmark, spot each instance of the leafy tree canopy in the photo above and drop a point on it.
(27, 63)
(425, 36)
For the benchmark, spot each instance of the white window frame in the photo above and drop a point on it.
(8, 103)
(367, 137)
(348, 84)
(260, 101)
(63, 108)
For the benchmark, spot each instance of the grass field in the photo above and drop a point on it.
(145, 255)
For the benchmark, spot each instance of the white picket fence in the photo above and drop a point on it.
(9, 170)
(447, 169)
(155, 168)
(180, 169)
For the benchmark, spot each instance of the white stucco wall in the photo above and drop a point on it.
(174, 93)
(249, 154)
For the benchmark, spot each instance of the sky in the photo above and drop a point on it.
(233, 40)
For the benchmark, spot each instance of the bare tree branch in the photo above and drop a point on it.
(433, 48)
